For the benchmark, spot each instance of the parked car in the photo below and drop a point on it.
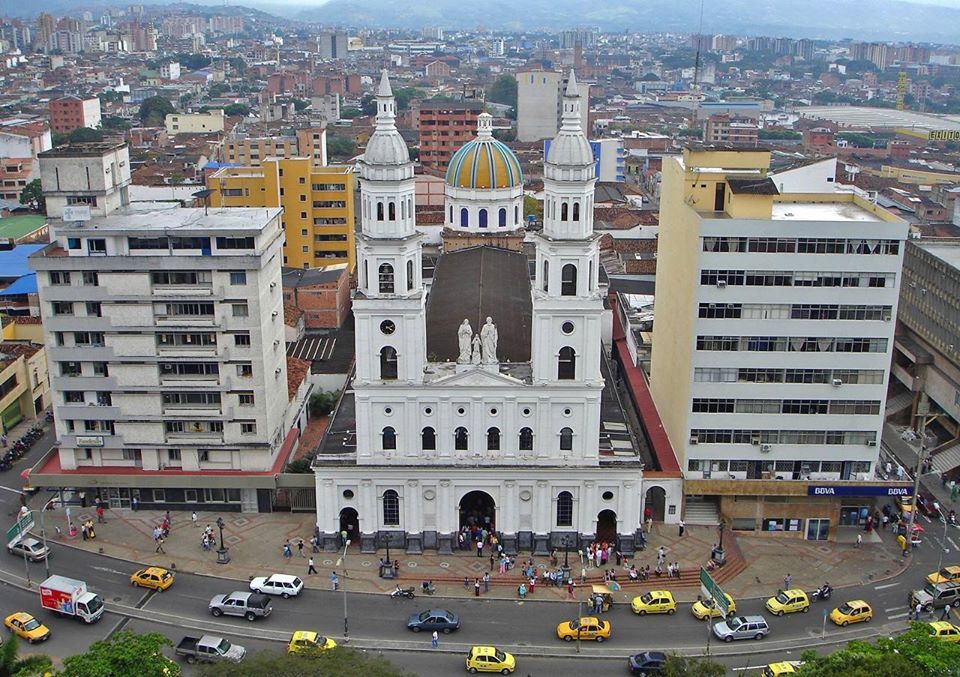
(31, 547)
(646, 663)
(209, 649)
(742, 627)
(250, 605)
(284, 585)
(440, 620)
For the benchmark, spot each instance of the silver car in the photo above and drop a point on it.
(34, 550)
(250, 605)
(742, 627)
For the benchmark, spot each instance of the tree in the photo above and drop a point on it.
(341, 146)
(154, 110)
(368, 105)
(339, 661)
(778, 134)
(404, 95)
(13, 666)
(237, 110)
(78, 135)
(218, 88)
(350, 112)
(684, 666)
(32, 195)
(114, 123)
(532, 205)
(125, 653)
(300, 105)
(503, 90)
(193, 62)
(321, 404)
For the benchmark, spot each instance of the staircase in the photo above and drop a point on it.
(702, 511)
(897, 404)
(946, 459)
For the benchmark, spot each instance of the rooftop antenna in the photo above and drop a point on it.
(695, 88)
(205, 196)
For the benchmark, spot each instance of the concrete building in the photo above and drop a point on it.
(24, 140)
(322, 294)
(72, 112)
(444, 127)
(165, 336)
(725, 129)
(24, 386)
(540, 104)
(772, 340)
(309, 142)
(332, 45)
(318, 206)
(194, 123)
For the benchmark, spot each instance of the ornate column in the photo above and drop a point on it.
(369, 517)
(541, 522)
(509, 517)
(328, 519)
(414, 518)
(445, 508)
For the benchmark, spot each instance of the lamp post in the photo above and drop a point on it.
(923, 409)
(223, 553)
(43, 536)
(718, 555)
(342, 561)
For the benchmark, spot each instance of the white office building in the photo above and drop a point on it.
(540, 96)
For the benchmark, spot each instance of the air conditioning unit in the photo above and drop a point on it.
(694, 440)
(837, 382)
(766, 448)
(871, 443)
(754, 440)
(721, 284)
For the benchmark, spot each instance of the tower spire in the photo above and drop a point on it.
(386, 105)
(571, 119)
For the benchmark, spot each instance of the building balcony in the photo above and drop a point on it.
(180, 291)
(189, 438)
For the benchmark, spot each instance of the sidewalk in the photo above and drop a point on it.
(755, 568)
(907, 454)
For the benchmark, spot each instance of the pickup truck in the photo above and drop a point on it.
(209, 649)
(250, 605)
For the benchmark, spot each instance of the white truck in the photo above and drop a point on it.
(70, 597)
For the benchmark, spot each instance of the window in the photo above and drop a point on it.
(58, 278)
(389, 437)
(173, 454)
(391, 508)
(566, 439)
(245, 399)
(563, 211)
(379, 211)
(240, 309)
(132, 455)
(565, 509)
(464, 217)
(248, 428)
(159, 496)
(203, 455)
(428, 439)
(526, 439)
(460, 439)
(502, 218)
(388, 363)
(190, 399)
(94, 309)
(241, 339)
(181, 278)
(567, 364)
(568, 280)
(409, 275)
(62, 308)
(546, 276)
(245, 370)
(236, 243)
(386, 278)
(576, 211)
(71, 397)
(238, 277)
(189, 369)
(97, 246)
(483, 218)
(100, 369)
(91, 278)
(493, 439)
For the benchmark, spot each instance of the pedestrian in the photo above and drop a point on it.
(287, 552)
(916, 612)
(661, 554)
(476, 588)
(100, 519)
(3, 441)
(160, 545)
(492, 560)
(902, 542)
(435, 640)
(135, 503)
(570, 589)
(314, 545)
(787, 580)
(583, 575)
(681, 525)
(300, 547)
(946, 613)
(479, 547)
(533, 584)
(168, 518)
(83, 531)
(953, 491)
(859, 540)
(334, 581)
(310, 568)
(466, 582)
(193, 518)
(486, 582)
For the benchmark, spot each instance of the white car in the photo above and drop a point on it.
(278, 584)
(34, 550)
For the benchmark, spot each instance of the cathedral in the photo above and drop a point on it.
(478, 393)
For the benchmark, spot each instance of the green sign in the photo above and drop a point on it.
(712, 591)
(24, 524)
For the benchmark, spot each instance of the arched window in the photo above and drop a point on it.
(516, 215)
(502, 217)
(391, 508)
(564, 509)
(563, 211)
(451, 215)
(460, 439)
(568, 280)
(388, 363)
(409, 275)
(526, 439)
(386, 278)
(379, 211)
(566, 439)
(392, 211)
(403, 209)
(576, 211)
(483, 218)
(428, 439)
(493, 439)
(410, 207)
(464, 217)
(567, 364)
(546, 276)
(389, 436)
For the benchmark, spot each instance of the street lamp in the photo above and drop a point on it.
(223, 553)
(342, 560)
(43, 536)
(718, 555)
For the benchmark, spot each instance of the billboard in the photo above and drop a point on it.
(944, 135)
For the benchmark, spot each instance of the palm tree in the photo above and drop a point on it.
(11, 665)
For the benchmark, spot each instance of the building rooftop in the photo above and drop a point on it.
(947, 251)
(821, 211)
(13, 262)
(82, 150)
(15, 227)
(160, 217)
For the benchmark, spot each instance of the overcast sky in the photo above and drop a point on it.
(945, 3)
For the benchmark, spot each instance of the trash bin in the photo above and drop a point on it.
(719, 556)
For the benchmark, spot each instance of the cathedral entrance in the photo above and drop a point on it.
(478, 510)
(349, 522)
(654, 504)
(607, 526)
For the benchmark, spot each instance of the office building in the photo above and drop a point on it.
(444, 127)
(540, 104)
(194, 123)
(725, 129)
(332, 45)
(772, 340)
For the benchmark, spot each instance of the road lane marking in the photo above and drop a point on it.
(111, 571)
(896, 616)
(750, 667)
(955, 546)
(884, 587)
(896, 608)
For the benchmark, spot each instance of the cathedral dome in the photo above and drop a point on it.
(386, 146)
(570, 148)
(484, 162)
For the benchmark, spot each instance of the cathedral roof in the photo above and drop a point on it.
(484, 162)
(477, 283)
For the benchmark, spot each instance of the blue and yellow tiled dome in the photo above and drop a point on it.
(484, 162)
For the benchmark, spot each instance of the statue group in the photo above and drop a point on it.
(477, 348)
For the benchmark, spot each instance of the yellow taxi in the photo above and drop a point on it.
(945, 575)
(788, 602)
(856, 611)
(309, 643)
(154, 578)
(781, 668)
(905, 504)
(27, 627)
(701, 611)
(587, 628)
(946, 632)
(490, 659)
(654, 602)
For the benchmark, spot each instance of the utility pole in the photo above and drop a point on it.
(923, 409)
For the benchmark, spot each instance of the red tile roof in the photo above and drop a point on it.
(297, 371)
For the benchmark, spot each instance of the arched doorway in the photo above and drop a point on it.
(478, 509)
(654, 504)
(349, 522)
(606, 526)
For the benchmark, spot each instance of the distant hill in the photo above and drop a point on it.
(862, 19)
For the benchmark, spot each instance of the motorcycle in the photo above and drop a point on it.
(403, 592)
(823, 593)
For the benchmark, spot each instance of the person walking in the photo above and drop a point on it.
(916, 612)
(310, 568)
(435, 640)
(787, 580)
(486, 582)
(859, 540)
(953, 491)
(160, 545)
(100, 519)
(476, 588)
(479, 547)
(193, 518)
(287, 551)
(135, 503)
(681, 525)
(300, 547)
(946, 613)
(334, 581)
(661, 554)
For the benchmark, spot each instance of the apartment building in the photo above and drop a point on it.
(540, 104)
(24, 388)
(317, 202)
(72, 112)
(726, 129)
(308, 142)
(194, 123)
(165, 337)
(444, 127)
(772, 340)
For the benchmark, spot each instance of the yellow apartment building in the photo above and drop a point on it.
(317, 202)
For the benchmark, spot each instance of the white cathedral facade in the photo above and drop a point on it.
(477, 398)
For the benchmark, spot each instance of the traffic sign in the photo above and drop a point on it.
(712, 591)
(24, 524)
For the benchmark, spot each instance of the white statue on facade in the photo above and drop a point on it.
(464, 332)
(475, 358)
(488, 336)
